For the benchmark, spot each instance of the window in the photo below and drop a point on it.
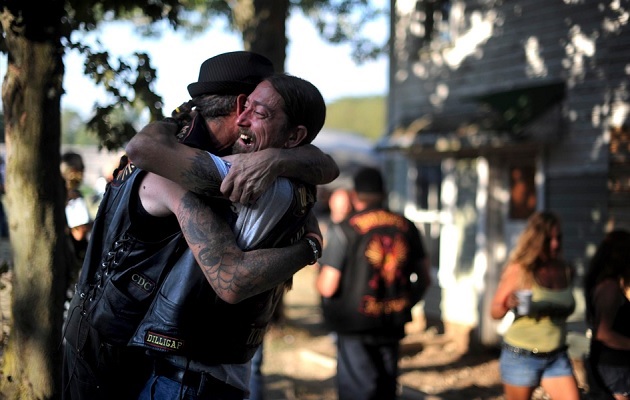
(522, 192)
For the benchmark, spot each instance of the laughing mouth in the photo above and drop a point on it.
(246, 138)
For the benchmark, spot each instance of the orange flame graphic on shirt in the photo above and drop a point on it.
(387, 254)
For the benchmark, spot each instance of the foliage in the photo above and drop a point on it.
(364, 115)
(74, 129)
(129, 80)
(36, 34)
(341, 21)
(129, 83)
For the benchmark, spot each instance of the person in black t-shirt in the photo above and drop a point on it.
(374, 270)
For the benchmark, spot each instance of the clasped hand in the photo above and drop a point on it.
(250, 176)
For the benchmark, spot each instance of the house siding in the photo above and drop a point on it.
(583, 45)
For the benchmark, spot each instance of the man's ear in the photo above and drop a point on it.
(354, 198)
(296, 137)
(240, 104)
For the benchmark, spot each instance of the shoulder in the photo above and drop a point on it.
(607, 285)
(299, 186)
(125, 174)
(607, 293)
(281, 191)
(513, 271)
(160, 196)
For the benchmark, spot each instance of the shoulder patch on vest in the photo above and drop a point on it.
(124, 174)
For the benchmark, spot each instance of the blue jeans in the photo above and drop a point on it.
(528, 370)
(365, 370)
(162, 388)
(256, 382)
(616, 378)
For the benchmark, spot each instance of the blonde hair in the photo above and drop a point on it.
(534, 242)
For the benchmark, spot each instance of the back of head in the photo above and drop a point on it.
(612, 258)
(233, 73)
(72, 169)
(72, 160)
(368, 185)
(222, 79)
(369, 180)
(303, 103)
(610, 261)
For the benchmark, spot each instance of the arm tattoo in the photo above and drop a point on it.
(230, 271)
(202, 177)
(209, 235)
(312, 166)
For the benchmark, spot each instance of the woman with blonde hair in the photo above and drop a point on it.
(534, 349)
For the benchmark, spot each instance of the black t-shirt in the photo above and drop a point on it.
(377, 252)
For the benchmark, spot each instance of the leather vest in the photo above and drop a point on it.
(121, 273)
(187, 317)
(375, 294)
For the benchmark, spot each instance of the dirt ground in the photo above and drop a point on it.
(299, 357)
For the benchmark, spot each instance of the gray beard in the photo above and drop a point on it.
(237, 148)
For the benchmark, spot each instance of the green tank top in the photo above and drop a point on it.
(545, 328)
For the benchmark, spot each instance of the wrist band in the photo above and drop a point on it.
(315, 247)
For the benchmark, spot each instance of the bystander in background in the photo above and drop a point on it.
(607, 294)
(374, 270)
(534, 350)
(77, 213)
(340, 205)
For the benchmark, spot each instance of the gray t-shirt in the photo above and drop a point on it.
(252, 224)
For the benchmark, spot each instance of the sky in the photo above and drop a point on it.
(177, 60)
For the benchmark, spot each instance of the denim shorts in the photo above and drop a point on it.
(615, 378)
(522, 369)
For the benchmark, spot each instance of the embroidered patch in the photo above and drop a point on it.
(387, 255)
(163, 342)
(123, 174)
(143, 282)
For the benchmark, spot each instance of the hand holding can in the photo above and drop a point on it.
(524, 301)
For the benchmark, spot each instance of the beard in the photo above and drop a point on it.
(237, 148)
(245, 142)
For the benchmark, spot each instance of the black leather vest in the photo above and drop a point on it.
(121, 273)
(187, 317)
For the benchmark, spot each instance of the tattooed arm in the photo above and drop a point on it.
(252, 173)
(233, 274)
(156, 149)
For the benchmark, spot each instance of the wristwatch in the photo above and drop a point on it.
(315, 247)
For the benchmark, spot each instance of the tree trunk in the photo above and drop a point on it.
(31, 95)
(265, 31)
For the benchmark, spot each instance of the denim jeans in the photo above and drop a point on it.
(528, 370)
(256, 380)
(162, 388)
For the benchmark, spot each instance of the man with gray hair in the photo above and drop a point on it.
(144, 225)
